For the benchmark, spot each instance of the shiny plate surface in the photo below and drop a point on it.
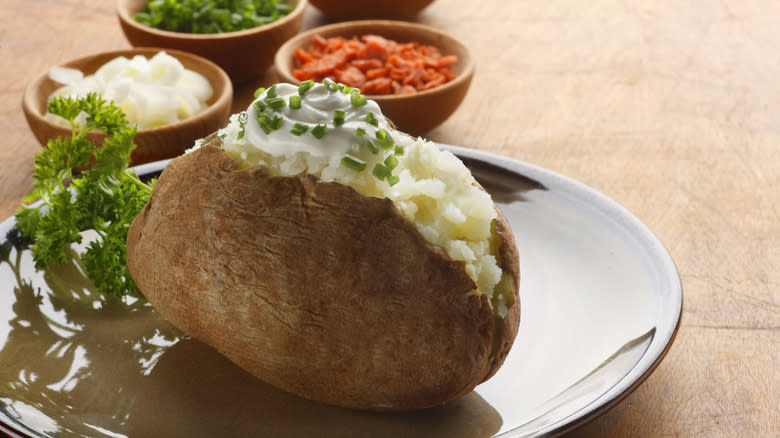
(601, 304)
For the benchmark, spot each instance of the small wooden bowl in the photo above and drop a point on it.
(415, 113)
(362, 9)
(152, 144)
(244, 54)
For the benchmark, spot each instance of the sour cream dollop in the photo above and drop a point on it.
(319, 106)
(151, 92)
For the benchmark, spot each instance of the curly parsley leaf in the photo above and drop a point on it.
(105, 197)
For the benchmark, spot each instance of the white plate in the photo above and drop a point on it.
(601, 305)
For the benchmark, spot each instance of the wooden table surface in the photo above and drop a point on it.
(670, 108)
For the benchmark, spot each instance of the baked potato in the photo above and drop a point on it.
(391, 289)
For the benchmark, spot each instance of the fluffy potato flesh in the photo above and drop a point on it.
(318, 289)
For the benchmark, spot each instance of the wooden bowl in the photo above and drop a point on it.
(362, 9)
(152, 144)
(412, 113)
(244, 54)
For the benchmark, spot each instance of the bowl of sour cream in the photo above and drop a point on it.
(172, 97)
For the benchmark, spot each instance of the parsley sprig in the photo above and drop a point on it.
(104, 198)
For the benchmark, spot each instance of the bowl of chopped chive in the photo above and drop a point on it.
(172, 98)
(417, 74)
(241, 37)
(374, 9)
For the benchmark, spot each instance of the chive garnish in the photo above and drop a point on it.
(319, 131)
(265, 123)
(371, 119)
(385, 171)
(374, 150)
(360, 132)
(399, 150)
(380, 171)
(338, 117)
(305, 86)
(390, 162)
(332, 86)
(268, 124)
(346, 89)
(259, 91)
(271, 92)
(242, 118)
(353, 163)
(358, 99)
(295, 102)
(260, 106)
(384, 140)
(211, 16)
(299, 129)
(276, 102)
(277, 123)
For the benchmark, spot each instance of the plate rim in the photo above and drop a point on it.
(656, 351)
(662, 341)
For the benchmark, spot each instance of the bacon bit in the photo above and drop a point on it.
(374, 64)
(352, 76)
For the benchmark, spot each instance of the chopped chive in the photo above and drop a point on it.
(271, 91)
(371, 119)
(360, 132)
(399, 150)
(346, 89)
(357, 99)
(353, 163)
(380, 171)
(299, 129)
(304, 87)
(268, 124)
(374, 150)
(277, 123)
(242, 118)
(319, 131)
(259, 91)
(260, 106)
(265, 123)
(295, 102)
(332, 86)
(338, 117)
(390, 162)
(384, 139)
(392, 180)
(276, 102)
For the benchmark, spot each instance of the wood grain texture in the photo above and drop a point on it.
(672, 109)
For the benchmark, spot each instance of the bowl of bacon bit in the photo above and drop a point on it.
(418, 75)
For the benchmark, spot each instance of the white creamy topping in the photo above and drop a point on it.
(317, 107)
(151, 92)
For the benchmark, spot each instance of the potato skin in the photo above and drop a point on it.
(315, 288)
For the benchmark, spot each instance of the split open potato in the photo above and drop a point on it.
(318, 289)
